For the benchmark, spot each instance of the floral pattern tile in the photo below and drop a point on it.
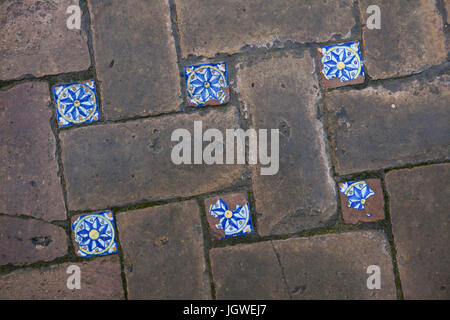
(341, 64)
(94, 234)
(207, 84)
(76, 103)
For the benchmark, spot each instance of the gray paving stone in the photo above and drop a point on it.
(281, 92)
(122, 163)
(24, 241)
(207, 28)
(163, 252)
(247, 271)
(334, 266)
(34, 39)
(135, 57)
(411, 38)
(420, 214)
(100, 280)
(29, 182)
(402, 123)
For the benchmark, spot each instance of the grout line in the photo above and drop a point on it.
(283, 275)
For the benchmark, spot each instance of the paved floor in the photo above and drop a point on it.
(385, 141)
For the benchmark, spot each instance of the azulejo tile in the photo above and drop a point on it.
(207, 84)
(229, 215)
(76, 103)
(94, 234)
(361, 201)
(340, 64)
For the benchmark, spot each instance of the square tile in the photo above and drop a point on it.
(228, 215)
(340, 64)
(94, 234)
(76, 103)
(207, 84)
(361, 201)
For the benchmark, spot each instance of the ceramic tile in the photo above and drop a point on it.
(341, 65)
(361, 201)
(207, 84)
(228, 215)
(76, 103)
(94, 234)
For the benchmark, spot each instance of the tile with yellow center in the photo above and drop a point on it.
(76, 103)
(94, 234)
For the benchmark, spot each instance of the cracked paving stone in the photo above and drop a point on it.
(29, 182)
(163, 252)
(34, 39)
(100, 280)
(282, 92)
(25, 241)
(207, 28)
(404, 122)
(135, 57)
(411, 38)
(418, 202)
(115, 164)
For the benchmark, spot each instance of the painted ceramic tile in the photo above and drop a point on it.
(76, 103)
(94, 234)
(341, 64)
(229, 216)
(207, 84)
(361, 201)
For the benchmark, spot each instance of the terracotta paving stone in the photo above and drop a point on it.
(100, 280)
(379, 127)
(24, 241)
(281, 92)
(35, 39)
(135, 57)
(411, 38)
(29, 182)
(207, 28)
(116, 164)
(334, 266)
(418, 202)
(163, 252)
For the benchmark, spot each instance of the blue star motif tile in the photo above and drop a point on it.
(357, 193)
(76, 103)
(234, 222)
(94, 234)
(342, 61)
(207, 84)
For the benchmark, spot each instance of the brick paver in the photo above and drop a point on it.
(405, 122)
(135, 57)
(410, 40)
(29, 182)
(100, 280)
(282, 93)
(34, 39)
(163, 252)
(418, 201)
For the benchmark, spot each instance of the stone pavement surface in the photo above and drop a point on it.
(358, 208)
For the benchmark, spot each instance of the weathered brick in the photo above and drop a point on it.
(247, 271)
(281, 92)
(115, 164)
(334, 266)
(400, 123)
(35, 39)
(207, 28)
(100, 280)
(410, 40)
(29, 182)
(420, 214)
(24, 241)
(163, 252)
(135, 57)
